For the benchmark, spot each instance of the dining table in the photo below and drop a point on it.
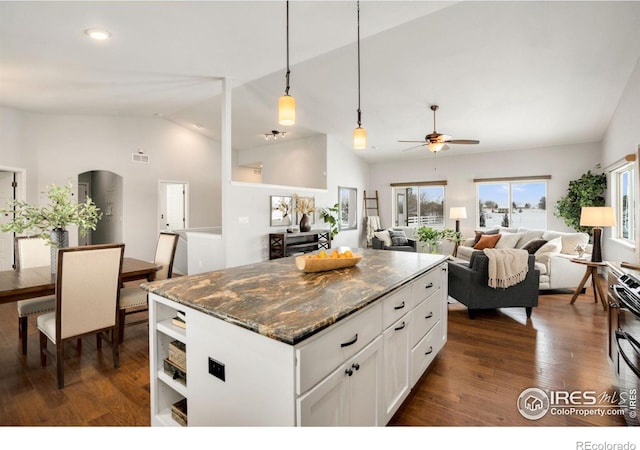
(39, 281)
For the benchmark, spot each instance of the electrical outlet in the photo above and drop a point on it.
(216, 368)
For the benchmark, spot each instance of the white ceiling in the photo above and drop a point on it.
(511, 74)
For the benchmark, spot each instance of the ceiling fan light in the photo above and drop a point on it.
(435, 146)
(287, 110)
(359, 138)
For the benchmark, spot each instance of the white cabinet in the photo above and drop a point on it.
(356, 372)
(349, 396)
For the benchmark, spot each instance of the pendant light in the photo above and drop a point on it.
(359, 134)
(286, 103)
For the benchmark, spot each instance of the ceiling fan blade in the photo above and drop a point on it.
(414, 141)
(411, 148)
(463, 141)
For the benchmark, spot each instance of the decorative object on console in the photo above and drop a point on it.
(286, 103)
(305, 206)
(359, 134)
(281, 211)
(597, 217)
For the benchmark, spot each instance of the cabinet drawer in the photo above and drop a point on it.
(426, 285)
(318, 358)
(423, 353)
(395, 306)
(425, 316)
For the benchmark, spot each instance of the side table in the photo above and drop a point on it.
(592, 271)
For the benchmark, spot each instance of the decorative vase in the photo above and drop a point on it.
(305, 225)
(60, 239)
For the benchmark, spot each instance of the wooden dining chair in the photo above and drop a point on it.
(133, 299)
(87, 293)
(31, 252)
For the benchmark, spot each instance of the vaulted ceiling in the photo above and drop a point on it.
(510, 74)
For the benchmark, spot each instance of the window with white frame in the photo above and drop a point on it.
(512, 202)
(419, 204)
(623, 199)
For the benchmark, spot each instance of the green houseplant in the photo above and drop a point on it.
(430, 236)
(50, 222)
(329, 215)
(588, 190)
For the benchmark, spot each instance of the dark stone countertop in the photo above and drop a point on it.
(277, 300)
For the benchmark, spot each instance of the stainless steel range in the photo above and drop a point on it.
(624, 336)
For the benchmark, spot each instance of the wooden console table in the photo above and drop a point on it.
(598, 289)
(286, 244)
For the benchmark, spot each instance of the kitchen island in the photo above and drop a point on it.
(267, 344)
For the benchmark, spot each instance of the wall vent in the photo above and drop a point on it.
(139, 158)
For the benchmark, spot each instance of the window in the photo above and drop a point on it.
(623, 200)
(513, 203)
(419, 204)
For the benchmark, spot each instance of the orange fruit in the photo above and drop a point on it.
(322, 254)
(348, 254)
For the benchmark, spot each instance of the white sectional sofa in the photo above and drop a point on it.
(553, 259)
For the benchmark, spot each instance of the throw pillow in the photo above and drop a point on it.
(398, 237)
(508, 240)
(553, 246)
(480, 233)
(570, 241)
(487, 241)
(534, 245)
(384, 237)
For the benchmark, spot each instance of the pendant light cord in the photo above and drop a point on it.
(359, 112)
(286, 91)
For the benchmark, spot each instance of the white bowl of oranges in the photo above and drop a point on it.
(327, 260)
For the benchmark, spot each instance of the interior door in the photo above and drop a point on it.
(7, 193)
(173, 199)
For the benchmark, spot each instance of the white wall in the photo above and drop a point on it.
(57, 148)
(248, 242)
(563, 163)
(623, 138)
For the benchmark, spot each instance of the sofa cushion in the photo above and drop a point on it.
(384, 236)
(534, 245)
(398, 237)
(508, 240)
(552, 246)
(464, 252)
(541, 268)
(529, 234)
(487, 241)
(569, 240)
(480, 233)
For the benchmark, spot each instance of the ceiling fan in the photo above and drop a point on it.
(437, 142)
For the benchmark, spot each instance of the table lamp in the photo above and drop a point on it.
(458, 212)
(597, 217)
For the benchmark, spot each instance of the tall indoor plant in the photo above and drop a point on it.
(588, 190)
(50, 222)
(330, 215)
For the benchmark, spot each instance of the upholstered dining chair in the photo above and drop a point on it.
(87, 292)
(133, 299)
(31, 252)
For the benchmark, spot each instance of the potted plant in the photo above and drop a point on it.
(430, 236)
(50, 222)
(588, 190)
(330, 216)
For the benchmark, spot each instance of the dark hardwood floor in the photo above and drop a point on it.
(475, 381)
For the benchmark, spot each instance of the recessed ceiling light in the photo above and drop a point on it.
(97, 34)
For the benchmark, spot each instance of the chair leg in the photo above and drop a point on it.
(528, 309)
(115, 345)
(120, 328)
(43, 347)
(60, 364)
(472, 313)
(23, 322)
(98, 341)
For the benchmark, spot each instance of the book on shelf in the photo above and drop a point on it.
(177, 321)
(181, 315)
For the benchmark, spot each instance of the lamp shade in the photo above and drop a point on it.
(287, 110)
(359, 138)
(435, 146)
(597, 216)
(459, 212)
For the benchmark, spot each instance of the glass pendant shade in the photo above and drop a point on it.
(359, 138)
(287, 110)
(435, 146)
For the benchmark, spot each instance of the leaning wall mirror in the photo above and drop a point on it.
(347, 200)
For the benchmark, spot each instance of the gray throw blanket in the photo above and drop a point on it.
(507, 266)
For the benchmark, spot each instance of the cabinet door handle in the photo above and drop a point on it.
(398, 328)
(400, 306)
(427, 286)
(356, 366)
(348, 372)
(429, 316)
(351, 342)
(429, 351)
